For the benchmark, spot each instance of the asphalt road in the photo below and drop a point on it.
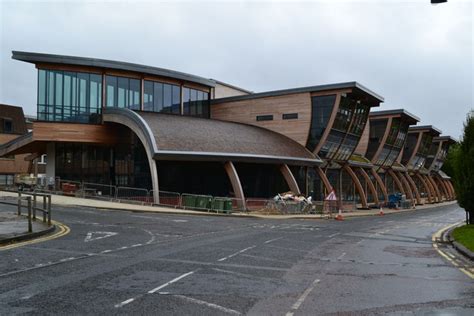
(116, 262)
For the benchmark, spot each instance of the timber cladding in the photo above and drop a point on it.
(71, 132)
(246, 111)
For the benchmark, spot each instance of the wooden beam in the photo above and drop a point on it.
(236, 185)
(325, 180)
(370, 184)
(380, 183)
(414, 188)
(407, 187)
(358, 185)
(443, 187)
(330, 123)
(397, 181)
(290, 179)
(435, 187)
(427, 188)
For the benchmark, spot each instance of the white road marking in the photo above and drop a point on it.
(341, 256)
(136, 245)
(180, 220)
(170, 282)
(236, 253)
(105, 251)
(333, 235)
(303, 296)
(271, 240)
(211, 305)
(128, 301)
(101, 235)
(125, 302)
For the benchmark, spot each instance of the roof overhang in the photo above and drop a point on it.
(425, 128)
(36, 58)
(411, 118)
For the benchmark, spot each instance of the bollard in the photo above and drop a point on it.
(19, 203)
(44, 208)
(30, 227)
(49, 210)
(34, 206)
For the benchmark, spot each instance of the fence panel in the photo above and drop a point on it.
(167, 198)
(254, 204)
(133, 194)
(196, 201)
(66, 187)
(98, 191)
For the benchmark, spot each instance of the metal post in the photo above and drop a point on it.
(49, 210)
(19, 203)
(30, 226)
(44, 208)
(34, 206)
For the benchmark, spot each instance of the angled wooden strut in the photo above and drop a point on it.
(370, 184)
(290, 179)
(435, 187)
(236, 185)
(407, 186)
(380, 183)
(430, 186)
(414, 188)
(427, 188)
(397, 181)
(325, 180)
(358, 185)
(444, 190)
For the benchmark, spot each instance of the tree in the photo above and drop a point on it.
(464, 169)
(450, 161)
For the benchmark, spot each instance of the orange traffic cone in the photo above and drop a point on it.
(381, 211)
(339, 216)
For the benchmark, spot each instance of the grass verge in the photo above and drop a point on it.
(465, 236)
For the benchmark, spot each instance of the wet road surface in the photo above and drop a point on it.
(140, 263)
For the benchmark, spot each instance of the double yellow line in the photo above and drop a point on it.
(437, 236)
(62, 231)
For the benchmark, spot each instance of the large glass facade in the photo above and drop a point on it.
(347, 129)
(377, 130)
(123, 92)
(394, 143)
(122, 165)
(195, 102)
(66, 96)
(321, 109)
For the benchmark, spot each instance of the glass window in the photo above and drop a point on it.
(111, 83)
(186, 101)
(134, 94)
(122, 92)
(148, 96)
(68, 96)
(176, 91)
(321, 108)
(167, 98)
(41, 86)
(158, 97)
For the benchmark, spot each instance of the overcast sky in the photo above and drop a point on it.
(417, 56)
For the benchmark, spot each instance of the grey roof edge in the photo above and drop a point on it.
(110, 64)
(423, 127)
(446, 138)
(232, 86)
(394, 112)
(166, 154)
(274, 93)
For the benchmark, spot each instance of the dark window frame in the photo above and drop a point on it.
(289, 116)
(262, 118)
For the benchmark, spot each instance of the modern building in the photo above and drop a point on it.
(12, 125)
(118, 123)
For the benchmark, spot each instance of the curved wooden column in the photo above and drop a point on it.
(325, 180)
(414, 188)
(433, 192)
(358, 185)
(448, 189)
(236, 185)
(290, 179)
(451, 188)
(370, 184)
(397, 181)
(435, 187)
(380, 183)
(427, 188)
(407, 186)
(443, 187)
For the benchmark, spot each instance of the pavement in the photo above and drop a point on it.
(14, 227)
(116, 262)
